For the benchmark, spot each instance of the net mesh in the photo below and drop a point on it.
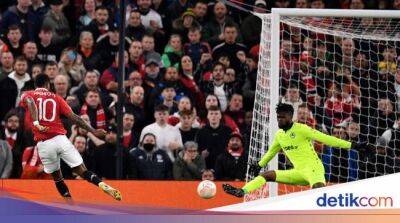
(341, 76)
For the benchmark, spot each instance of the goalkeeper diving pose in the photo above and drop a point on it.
(296, 141)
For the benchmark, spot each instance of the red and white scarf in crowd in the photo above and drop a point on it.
(100, 116)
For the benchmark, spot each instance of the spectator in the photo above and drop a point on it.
(213, 31)
(251, 26)
(20, 76)
(184, 104)
(232, 164)
(211, 101)
(317, 4)
(200, 11)
(150, 18)
(15, 138)
(173, 52)
(397, 87)
(356, 4)
(100, 24)
(384, 118)
(71, 65)
(6, 159)
(249, 86)
(91, 82)
(217, 86)
(36, 70)
(230, 46)
(135, 29)
(130, 137)
(292, 97)
(148, 161)
(93, 108)
(182, 25)
(177, 8)
(136, 57)
(61, 85)
(30, 53)
(340, 165)
(235, 109)
(152, 70)
(7, 62)
(32, 167)
(51, 70)
(213, 138)
(168, 137)
(305, 116)
(148, 43)
(21, 16)
(88, 12)
(56, 19)
(86, 50)
(189, 163)
(302, 4)
(388, 64)
(208, 174)
(107, 47)
(110, 77)
(135, 106)
(168, 94)
(39, 9)
(189, 79)
(105, 158)
(339, 105)
(47, 49)
(195, 47)
(8, 88)
(14, 40)
(188, 132)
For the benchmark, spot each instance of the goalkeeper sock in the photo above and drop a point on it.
(91, 177)
(62, 188)
(254, 184)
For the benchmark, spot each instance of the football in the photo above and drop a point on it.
(206, 189)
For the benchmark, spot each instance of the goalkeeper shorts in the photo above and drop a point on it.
(303, 177)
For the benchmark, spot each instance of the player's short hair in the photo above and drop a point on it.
(161, 108)
(285, 108)
(42, 80)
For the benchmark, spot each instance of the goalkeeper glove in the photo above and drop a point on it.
(363, 147)
(254, 169)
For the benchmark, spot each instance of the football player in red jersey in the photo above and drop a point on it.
(45, 109)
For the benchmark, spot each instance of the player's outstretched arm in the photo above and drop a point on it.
(76, 119)
(34, 113)
(272, 151)
(324, 138)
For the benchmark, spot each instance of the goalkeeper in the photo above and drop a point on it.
(296, 141)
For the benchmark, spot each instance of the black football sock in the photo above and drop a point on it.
(62, 188)
(91, 177)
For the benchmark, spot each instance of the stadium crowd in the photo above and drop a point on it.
(190, 82)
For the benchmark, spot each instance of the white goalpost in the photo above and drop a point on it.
(338, 69)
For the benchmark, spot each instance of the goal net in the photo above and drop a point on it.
(340, 71)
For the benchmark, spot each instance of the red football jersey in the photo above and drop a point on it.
(50, 107)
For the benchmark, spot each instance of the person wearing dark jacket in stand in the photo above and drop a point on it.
(105, 156)
(232, 164)
(147, 162)
(213, 138)
(189, 164)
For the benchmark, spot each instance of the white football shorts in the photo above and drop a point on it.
(51, 150)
